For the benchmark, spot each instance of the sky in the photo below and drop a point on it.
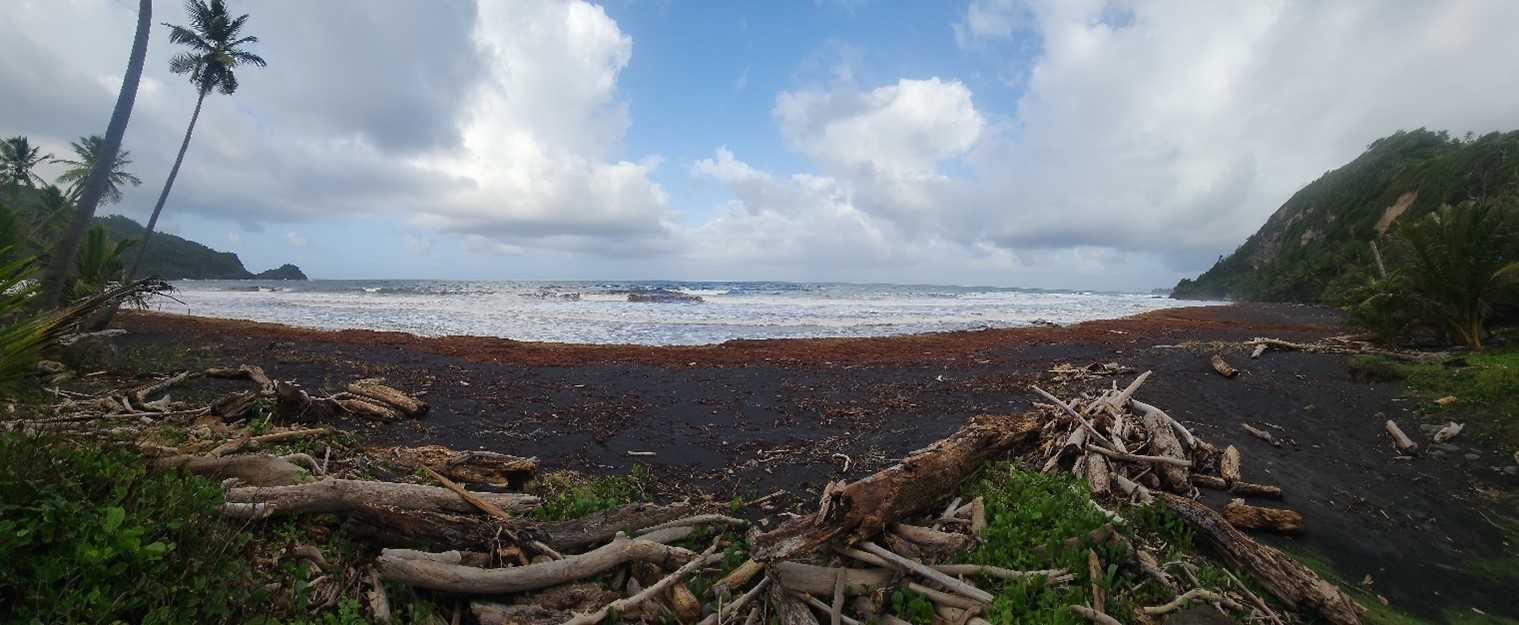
(1083, 144)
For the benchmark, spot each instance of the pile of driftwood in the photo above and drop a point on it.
(1130, 451)
(889, 530)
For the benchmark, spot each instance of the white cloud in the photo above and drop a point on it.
(295, 239)
(899, 130)
(1177, 127)
(541, 131)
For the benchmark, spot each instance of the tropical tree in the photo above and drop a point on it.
(17, 159)
(88, 150)
(215, 39)
(62, 259)
(50, 210)
(101, 263)
(1457, 262)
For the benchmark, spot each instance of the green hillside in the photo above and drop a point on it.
(42, 213)
(1325, 229)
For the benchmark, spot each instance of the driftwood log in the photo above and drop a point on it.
(252, 470)
(1248, 517)
(1286, 579)
(1223, 368)
(379, 393)
(338, 495)
(1405, 445)
(481, 467)
(390, 526)
(444, 571)
(862, 509)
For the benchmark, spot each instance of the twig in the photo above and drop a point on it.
(1195, 594)
(1094, 569)
(1093, 615)
(1053, 575)
(921, 569)
(700, 519)
(474, 500)
(1118, 455)
(818, 603)
(728, 610)
(836, 611)
(1092, 430)
(622, 605)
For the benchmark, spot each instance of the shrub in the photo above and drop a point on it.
(90, 536)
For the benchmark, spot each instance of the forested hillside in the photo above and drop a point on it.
(1321, 238)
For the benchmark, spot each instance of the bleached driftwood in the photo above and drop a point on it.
(1404, 444)
(339, 495)
(1449, 431)
(1228, 465)
(621, 606)
(415, 568)
(1260, 434)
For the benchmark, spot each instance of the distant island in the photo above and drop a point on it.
(176, 258)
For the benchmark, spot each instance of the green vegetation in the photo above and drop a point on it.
(89, 536)
(89, 149)
(565, 499)
(1485, 385)
(18, 157)
(1318, 243)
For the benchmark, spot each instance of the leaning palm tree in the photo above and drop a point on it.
(214, 39)
(1459, 260)
(88, 150)
(18, 157)
(94, 185)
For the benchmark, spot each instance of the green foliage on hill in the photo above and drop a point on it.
(174, 258)
(1318, 243)
(286, 271)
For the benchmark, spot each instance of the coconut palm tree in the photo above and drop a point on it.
(1459, 260)
(94, 186)
(214, 39)
(17, 159)
(88, 149)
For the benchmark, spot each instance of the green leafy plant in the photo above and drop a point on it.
(1458, 261)
(912, 607)
(90, 536)
(566, 501)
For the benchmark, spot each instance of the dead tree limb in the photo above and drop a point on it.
(622, 605)
(414, 568)
(338, 495)
(1294, 584)
(862, 509)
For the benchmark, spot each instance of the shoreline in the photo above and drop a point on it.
(897, 349)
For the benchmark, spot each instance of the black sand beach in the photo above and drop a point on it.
(748, 418)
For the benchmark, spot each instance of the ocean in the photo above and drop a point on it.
(645, 312)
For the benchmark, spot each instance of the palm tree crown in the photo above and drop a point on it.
(88, 149)
(17, 158)
(213, 41)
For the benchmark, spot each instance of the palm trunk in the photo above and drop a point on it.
(62, 259)
(142, 246)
